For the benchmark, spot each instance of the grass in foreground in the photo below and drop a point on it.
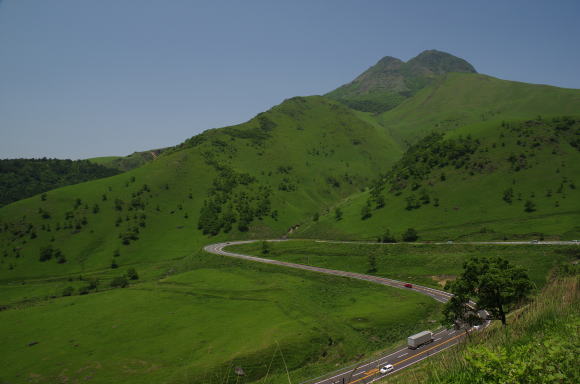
(199, 325)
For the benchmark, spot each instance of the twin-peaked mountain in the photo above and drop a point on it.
(390, 81)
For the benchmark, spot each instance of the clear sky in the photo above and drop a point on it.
(85, 78)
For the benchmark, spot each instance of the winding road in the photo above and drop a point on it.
(366, 372)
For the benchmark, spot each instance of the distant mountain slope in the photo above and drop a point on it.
(494, 180)
(22, 178)
(126, 163)
(389, 82)
(256, 179)
(459, 99)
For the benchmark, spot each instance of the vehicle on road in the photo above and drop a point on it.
(407, 285)
(535, 241)
(419, 339)
(386, 369)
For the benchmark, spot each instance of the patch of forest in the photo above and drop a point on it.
(22, 178)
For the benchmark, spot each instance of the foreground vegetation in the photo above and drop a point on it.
(541, 344)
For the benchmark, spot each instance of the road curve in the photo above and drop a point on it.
(367, 372)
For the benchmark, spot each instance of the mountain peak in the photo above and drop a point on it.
(438, 62)
(390, 81)
(389, 61)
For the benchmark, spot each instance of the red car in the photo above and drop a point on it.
(407, 285)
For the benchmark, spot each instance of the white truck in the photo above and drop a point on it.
(419, 339)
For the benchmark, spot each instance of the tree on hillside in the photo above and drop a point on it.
(457, 311)
(410, 235)
(365, 212)
(494, 284)
(529, 206)
(265, 248)
(338, 214)
(387, 237)
(132, 274)
(372, 264)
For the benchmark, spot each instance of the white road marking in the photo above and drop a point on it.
(437, 339)
(404, 354)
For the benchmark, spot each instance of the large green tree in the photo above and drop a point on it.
(493, 283)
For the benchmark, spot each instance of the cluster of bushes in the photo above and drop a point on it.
(258, 131)
(428, 154)
(410, 235)
(49, 252)
(231, 200)
(94, 283)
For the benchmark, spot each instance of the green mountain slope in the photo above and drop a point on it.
(389, 82)
(458, 99)
(492, 180)
(259, 179)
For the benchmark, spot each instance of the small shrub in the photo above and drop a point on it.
(529, 206)
(119, 282)
(68, 291)
(132, 274)
(410, 235)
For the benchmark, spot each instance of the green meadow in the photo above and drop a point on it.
(425, 264)
(197, 326)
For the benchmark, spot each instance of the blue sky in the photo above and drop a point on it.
(83, 78)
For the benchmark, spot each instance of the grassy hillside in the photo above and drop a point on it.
(494, 180)
(312, 152)
(455, 100)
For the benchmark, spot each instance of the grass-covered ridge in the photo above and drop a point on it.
(126, 163)
(315, 152)
(495, 180)
(456, 100)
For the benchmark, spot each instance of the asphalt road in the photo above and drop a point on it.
(367, 372)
